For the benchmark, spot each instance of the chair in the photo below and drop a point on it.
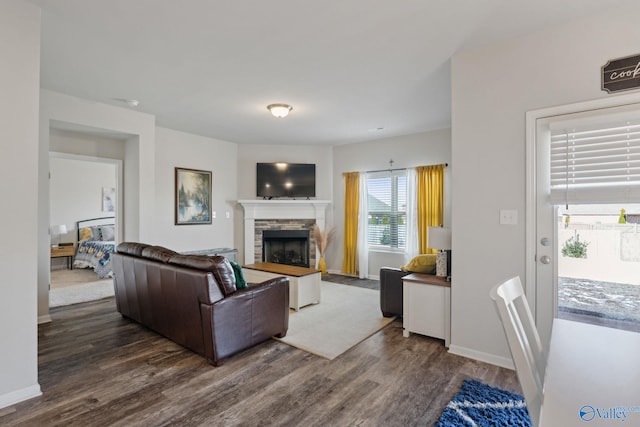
(524, 342)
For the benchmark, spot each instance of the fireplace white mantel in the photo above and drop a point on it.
(278, 209)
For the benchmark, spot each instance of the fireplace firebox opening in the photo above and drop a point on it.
(289, 247)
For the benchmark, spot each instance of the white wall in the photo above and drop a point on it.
(179, 149)
(76, 191)
(427, 148)
(492, 89)
(86, 144)
(19, 85)
(249, 155)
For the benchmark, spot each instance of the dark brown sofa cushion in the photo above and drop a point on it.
(131, 248)
(218, 265)
(158, 253)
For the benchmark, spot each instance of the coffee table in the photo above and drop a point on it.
(304, 283)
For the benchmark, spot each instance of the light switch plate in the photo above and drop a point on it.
(508, 217)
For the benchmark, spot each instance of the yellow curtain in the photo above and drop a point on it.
(351, 197)
(430, 202)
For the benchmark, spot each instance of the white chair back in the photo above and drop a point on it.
(524, 342)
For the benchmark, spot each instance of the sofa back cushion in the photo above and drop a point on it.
(131, 248)
(218, 265)
(158, 253)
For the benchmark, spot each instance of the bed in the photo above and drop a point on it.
(96, 242)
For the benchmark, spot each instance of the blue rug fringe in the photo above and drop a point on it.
(478, 404)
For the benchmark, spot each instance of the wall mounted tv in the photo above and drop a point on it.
(285, 180)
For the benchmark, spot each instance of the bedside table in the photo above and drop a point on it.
(65, 251)
(427, 306)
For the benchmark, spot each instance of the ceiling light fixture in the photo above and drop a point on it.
(279, 110)
(132, 102)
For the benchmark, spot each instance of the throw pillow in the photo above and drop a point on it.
(424, 263)
(237, 271)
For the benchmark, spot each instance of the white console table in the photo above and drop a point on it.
(427, 306)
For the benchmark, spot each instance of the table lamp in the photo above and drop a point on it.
(58, 230)
(440, 238)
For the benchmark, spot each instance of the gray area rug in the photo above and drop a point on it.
(345, 316)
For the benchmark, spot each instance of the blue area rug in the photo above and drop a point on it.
(478, 404)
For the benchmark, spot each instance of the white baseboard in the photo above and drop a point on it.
(44, 319)
(504, 362)
(14, 397)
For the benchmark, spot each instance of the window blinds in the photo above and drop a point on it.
(387, 209)
(596, 164)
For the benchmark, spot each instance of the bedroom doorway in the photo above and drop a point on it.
(83, 187)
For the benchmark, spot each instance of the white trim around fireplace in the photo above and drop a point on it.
(278, 209)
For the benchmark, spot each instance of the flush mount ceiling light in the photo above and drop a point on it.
(279, 110)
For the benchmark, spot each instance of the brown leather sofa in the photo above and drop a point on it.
(391, 291)
(193, 300)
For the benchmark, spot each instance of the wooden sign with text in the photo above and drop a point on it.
(621, 74)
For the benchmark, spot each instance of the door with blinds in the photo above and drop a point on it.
(588, 217)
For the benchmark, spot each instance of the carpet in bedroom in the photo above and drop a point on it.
(76, 286)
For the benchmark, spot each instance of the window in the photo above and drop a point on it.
(387, 210)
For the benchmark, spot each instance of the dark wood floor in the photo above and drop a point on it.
(98, 369)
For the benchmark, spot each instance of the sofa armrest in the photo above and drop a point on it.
(246, 317)
(391, 303)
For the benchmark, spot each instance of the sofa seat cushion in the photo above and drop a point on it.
(423, 263)
(218, 265)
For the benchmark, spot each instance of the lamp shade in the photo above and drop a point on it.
(59, 229)
(439, 238)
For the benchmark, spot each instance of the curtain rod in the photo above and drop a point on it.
(396, 169)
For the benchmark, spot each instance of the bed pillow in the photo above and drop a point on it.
(86, 234)
(424, 263)
(107, 233)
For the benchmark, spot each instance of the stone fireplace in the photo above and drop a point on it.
(284, 215)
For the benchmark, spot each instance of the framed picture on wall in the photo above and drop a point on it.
(108, 199)
(193, 196)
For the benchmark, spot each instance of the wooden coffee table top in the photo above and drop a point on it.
(285, 270)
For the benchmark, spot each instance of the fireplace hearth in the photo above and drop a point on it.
(289, 247)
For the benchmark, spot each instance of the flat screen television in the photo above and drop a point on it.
(285, 180)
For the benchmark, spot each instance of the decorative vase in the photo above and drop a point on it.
(322, 266)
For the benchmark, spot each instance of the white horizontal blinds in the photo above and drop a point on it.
(387, 209)
(596, 164)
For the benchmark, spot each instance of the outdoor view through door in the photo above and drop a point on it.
(599, 264)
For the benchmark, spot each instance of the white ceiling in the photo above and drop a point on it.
(348, 67)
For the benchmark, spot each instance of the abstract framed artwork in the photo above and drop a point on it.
(193, 196)
(108, 199)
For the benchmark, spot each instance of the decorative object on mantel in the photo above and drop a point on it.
(440, 238)
(193, 196)
(621, 74)
(323, 240)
